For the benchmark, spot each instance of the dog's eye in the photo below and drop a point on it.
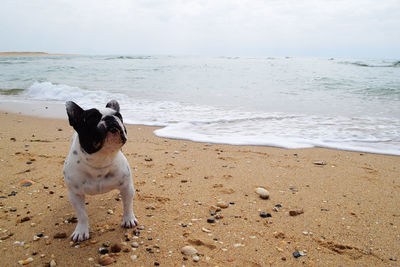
(119, 116)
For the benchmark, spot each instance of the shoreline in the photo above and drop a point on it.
(350, 204)
(56, 110)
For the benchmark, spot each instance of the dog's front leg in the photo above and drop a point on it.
(81, 232)
(128, 219)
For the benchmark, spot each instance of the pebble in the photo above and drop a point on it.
(103, 251)
(27, 183)
(196, 258)
(219, 216)
(134, 244)
(188, 251)
(265, 214)
(60, 235)
(25, 262)
(214, 209)
(222, 204)
(320, 163)
(106, 260)
(205, 230)
(116, 248)
(296, 212)
(53, 263)
(110, 211)
(211, 220)
(262, 192)
(133, 257)
(24, 219)
(296, 254)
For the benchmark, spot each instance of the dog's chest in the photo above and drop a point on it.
(99, 182)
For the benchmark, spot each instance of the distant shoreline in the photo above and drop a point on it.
(31, 54)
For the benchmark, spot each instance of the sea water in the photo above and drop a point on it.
(286, 102)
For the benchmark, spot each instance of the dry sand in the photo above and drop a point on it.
(351, 205)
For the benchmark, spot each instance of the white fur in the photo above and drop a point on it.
(98, 173)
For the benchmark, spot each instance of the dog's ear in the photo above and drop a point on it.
(113, 104)
(74, 114)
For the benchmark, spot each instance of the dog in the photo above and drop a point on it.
(95, 163)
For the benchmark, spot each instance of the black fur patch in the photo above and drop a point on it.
(91, 134)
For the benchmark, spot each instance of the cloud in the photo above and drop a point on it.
(247, 27)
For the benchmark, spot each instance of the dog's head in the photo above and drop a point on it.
(97, 129)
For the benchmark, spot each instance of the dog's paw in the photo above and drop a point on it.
(129, 222)
(80, 234)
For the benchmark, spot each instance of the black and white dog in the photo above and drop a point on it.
(95, 163)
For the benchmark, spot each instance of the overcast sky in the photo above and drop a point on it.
(331, 28)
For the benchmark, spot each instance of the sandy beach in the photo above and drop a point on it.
(345, 205)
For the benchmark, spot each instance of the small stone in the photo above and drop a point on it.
(90, 259)
(116, 248)
(214, 209)
(222, 204)
(24, 219)
(196, 258)
(106, 260)
(211, 220)
(156, 264)
(133, 257)
(53, 263)
(106, 244)
(27, 183)
(393, 259)
(320, 163)
(25, 262)
(265, 214)
(148, 159)
(60, 235)
(262, 192)
(134, 244)
(296, 212)
(36, 238)
(219, 216)
(296, 254)
(188, 251)
(205, 230)
(103, 251)
(110, 211)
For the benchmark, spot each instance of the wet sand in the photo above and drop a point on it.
(350, 203)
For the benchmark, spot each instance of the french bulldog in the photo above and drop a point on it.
(95, 163)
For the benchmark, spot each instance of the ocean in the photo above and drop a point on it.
(288, 102)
